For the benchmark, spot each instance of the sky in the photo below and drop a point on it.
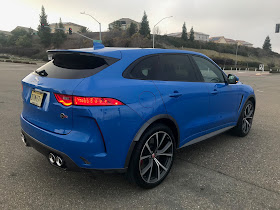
(249, 20)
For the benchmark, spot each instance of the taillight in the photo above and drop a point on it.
(96, 101)
(65, 100)
(68, 100)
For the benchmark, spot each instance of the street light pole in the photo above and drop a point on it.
(83, 13)
(236, 54)
(154, 29)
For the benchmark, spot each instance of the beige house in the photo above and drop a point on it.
(124, 23)
(223, 40)
(75, 27)
(244, 43)
(198, 36)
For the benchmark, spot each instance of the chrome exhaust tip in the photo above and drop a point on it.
(59, 161)
(24, 140)
(52, 158)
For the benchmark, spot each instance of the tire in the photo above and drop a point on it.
(152, 157)
(245, 120)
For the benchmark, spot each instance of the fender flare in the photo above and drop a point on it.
(248, 98)
(142, 130)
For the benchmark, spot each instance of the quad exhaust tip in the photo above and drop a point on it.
(56, 160)
(24, 140)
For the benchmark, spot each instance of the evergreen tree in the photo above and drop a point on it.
(192, 34)
(59, 34)
(184, 32)
(44, 32)
(267, 44)
(116, 25)
(145, 28)
(132, 29)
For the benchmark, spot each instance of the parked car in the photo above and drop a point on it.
(128, 110)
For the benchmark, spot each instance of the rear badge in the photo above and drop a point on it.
(63, 116)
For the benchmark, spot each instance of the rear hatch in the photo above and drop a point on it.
(61, 75)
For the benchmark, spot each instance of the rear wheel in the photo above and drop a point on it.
(153, 157)
(246, 119)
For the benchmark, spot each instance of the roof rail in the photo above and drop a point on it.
(97, 45)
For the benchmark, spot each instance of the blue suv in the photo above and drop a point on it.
(128, 110)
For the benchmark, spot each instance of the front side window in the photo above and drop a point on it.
(209, 71)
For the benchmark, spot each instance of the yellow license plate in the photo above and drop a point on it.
(36, 98)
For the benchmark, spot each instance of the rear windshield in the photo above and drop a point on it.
(74, 66)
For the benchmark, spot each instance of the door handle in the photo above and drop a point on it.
(175, 95)
(214, 92)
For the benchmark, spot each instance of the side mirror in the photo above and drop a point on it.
(232, 79)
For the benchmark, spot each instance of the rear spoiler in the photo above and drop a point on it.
(98, 50)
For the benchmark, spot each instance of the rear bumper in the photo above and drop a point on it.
(46, 150)
(78, 151)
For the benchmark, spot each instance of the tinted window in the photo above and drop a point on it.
(209, 71)
(145, 69)
(175, 68)
(74, 66)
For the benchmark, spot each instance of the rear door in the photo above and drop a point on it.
(224, 98)
(184, 97)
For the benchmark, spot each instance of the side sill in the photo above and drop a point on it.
(207, 136)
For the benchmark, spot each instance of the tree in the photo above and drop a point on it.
(184, 32)
(24, 41)
(145, 28)
(59, 35)
(44, 32)
(266, 44)
(132, 29)
(84, 30)
(192, 34)
(116, 25)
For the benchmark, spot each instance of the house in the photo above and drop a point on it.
(124, 23)
(75, 27)
(244, 43)
(223, 40)
(198, 36)
(218, 39)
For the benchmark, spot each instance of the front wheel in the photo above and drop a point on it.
(153, 157)
(245, 121)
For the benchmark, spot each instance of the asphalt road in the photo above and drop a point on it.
(225, 172)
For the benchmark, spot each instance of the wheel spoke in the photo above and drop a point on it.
(158, 170)
(144, 170)
(145, 157)
(165, 148)
(164, 154)
(148, 147)
(157, 140)
(157, 162)
(150, 174)
(162, 140)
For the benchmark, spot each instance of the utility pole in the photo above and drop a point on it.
(154, 29)
(83, 13)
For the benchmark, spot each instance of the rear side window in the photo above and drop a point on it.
(145, 69)
(175, 68)
(74, 65)
(165, 67)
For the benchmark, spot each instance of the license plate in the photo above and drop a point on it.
(36, 98)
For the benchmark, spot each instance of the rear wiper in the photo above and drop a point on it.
(42, 73)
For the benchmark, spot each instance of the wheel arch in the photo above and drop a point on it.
(162, 118)
(251, 98)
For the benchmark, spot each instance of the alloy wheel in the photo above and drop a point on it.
(156, 157)
(247, 118)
